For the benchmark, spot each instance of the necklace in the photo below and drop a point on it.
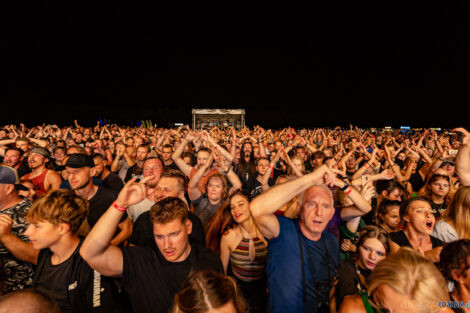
(251, 245)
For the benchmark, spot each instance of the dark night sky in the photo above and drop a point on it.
(370, 66)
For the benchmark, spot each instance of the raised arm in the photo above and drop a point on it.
(226, 169)
(360, 205)
(267, 175)
(125, 231)
(462, 160)
(291, 165)
(193, 191)
(97, 249)
(176, 156)
(115, 166)
(214, 144)
(263, 207)
(20, 249)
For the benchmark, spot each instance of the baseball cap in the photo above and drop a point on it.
(78, 160)
(41, 151)
(8, 175)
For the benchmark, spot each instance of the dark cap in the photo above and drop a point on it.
(78, 160)
(447, 161)
(41, 151)
(8, 175)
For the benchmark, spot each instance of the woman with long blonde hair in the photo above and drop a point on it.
(402, 282)
(455, 223)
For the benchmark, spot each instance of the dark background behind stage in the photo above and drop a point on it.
(371, 65)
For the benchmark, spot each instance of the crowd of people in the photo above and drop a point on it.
(147, 219)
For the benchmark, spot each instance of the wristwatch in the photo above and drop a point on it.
(346, 185)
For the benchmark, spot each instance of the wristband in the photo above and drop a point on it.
(366, 165)
(349, 191)
(346, 185)
(119, 208)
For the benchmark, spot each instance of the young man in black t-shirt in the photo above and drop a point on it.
(61, 272)
(151, 277)
(110, 180)
(80, 170)
(254, 185)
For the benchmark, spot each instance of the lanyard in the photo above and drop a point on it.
(309, 259)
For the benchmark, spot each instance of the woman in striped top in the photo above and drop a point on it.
(242, 247)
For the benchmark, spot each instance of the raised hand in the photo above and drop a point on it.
(6, 223)
(133, 192)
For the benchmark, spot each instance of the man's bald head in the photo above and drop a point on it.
(28, 301)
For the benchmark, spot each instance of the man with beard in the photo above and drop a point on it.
(151, 167)
(136, 169)
(109, 179)
(15, 248)
(246, 167)
(44, 179)
(125, 158)
(80, 170)
(170, 183)
(14, 158)
(168, 163)
(150, 276)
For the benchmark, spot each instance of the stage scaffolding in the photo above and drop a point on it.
(223, 118)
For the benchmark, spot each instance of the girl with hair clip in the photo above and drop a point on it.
(209, 292)
(372, 247)
(455, 222)
(437, 190)
(455, 265)
(242, 246)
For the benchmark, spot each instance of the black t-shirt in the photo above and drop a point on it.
(113, 182)
(152, 282)
(399, 237)
(349, 282)
(142, 231)
(100, 202)
(253, 186)
(54, 282)
(171, 166)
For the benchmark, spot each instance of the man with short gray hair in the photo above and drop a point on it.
(302, 256)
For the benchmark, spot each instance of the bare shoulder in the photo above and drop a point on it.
(352, 304)
(52, 173)
(232, 237)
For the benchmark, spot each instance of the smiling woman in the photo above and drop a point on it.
(243, 249)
